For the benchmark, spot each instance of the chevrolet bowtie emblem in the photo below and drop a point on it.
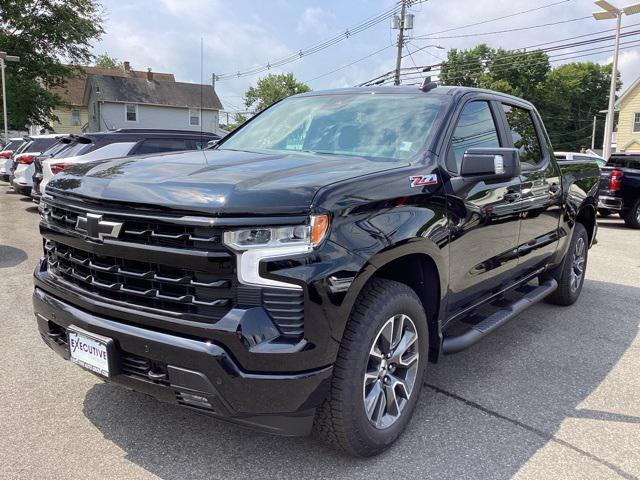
(97, 228)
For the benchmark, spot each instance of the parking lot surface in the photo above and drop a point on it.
(553, 394)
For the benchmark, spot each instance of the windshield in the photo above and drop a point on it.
(41, 144)
(389, 127)
(13, 144)
(53, 149)
(624, 161)
(72, 149)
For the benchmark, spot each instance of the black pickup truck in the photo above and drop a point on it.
(301, 275)
(620, 188)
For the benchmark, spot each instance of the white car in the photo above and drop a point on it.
(23, 168)
(59, 163)
(15, 146)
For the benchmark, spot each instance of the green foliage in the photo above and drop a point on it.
(272, 88)
(238, 119)
(105, 61)
(44, 34)
(567, 96)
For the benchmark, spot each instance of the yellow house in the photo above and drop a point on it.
(73, 116)
(627, 137)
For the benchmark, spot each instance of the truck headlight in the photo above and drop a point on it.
(252, 245)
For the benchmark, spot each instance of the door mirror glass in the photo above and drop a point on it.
(490, 163)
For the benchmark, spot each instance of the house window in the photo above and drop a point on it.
(75, 117)
(131, 112)
(636, 122)
(194, 117)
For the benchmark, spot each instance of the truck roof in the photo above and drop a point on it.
(454, 91)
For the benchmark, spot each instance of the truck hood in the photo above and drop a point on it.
(218, 182)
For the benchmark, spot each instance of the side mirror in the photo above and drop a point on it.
(490, 163)
(212, 143)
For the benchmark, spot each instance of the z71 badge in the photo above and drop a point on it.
(423, 180)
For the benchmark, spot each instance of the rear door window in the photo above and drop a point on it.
(158, 145)
(524, 134)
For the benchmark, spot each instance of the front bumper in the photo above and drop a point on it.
(193, 373)
(610, 203)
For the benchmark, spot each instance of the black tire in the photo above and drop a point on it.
(632, 216)
(568, 289)
(342, 421)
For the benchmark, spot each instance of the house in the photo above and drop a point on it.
(115, 101)
(627, 115)
(73, 117)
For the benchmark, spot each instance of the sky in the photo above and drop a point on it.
(166, 36)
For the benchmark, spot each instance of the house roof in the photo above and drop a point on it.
(633, 86)
(72, 92)
(136, 90)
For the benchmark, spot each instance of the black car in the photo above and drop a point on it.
(303, 273)
(620, 188)
(134, 142)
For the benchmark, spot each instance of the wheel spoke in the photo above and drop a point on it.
(372, 398)
(386, 337)
(381, 407)
(405, 343)
(393, 408)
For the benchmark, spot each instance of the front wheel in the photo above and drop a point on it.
(379, 371)
(570, 275)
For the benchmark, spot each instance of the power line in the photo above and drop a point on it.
(364, 25)
(496, 32)
(349, 64)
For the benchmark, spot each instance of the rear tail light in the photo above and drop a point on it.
(614, 179)
(6, 154)
(59, 167)
(26, 159)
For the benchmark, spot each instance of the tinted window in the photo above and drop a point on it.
(41, 144)
(475, 129)
(561, 157)
(624, 161)
(157, 145)
(72, 149)
(13, 144)
(523, 132)
(388, 127)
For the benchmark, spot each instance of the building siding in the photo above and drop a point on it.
(112, 116)
(627, 139)
(64, 123)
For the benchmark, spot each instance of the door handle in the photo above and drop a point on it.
(511, 196)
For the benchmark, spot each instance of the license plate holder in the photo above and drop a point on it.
(91, 351)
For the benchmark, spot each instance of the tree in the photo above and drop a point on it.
(238, 119)
(272, 88)
(42, 33)
(105, 61)
(567, 96)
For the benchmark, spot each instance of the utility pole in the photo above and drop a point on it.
(9, 58)
(593, 134)
(610, 12)
(403, 11)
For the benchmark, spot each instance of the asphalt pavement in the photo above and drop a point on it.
(553, 394)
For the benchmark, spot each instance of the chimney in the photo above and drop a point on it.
(149, 75)
(127, 66)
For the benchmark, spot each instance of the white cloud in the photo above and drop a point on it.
(628, 66)
(317, 20)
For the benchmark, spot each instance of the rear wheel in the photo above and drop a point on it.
(570, 275)
(632, 217)
(379, 371)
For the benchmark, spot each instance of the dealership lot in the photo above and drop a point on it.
(552, 394)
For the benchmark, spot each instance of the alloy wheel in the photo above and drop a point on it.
(391, 371)
(577, 268)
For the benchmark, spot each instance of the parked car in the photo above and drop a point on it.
(119, 143)
(6, 156)
(579, 157)
(22, 169)
(303, 272)
(620, 188)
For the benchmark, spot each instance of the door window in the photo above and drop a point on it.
(524, 134)
(476, 128)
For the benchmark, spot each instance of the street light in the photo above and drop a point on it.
(611, 12)
(5, 58)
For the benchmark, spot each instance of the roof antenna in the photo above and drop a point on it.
(201, 82)
(428, 85)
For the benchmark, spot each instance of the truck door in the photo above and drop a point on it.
(483, 214)
(541, 189)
